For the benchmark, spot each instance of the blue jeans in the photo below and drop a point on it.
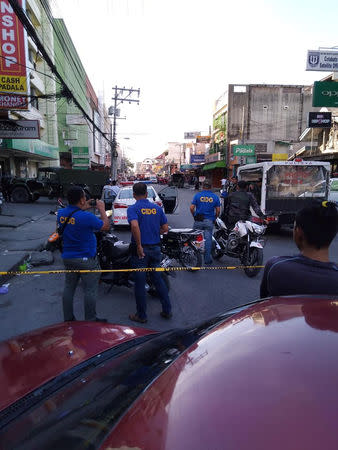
(152, 258)
(90, 282)
(207, 226)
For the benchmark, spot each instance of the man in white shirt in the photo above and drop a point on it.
(109, 194)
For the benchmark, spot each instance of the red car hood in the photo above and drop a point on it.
(32, 359)
(265, 379)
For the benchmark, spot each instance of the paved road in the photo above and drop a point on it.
(35, 301)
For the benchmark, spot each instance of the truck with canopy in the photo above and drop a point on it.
(282, 188)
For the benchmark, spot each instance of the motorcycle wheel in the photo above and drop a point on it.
(215, 252)
(152, 290)
(191, 258)
(255, 259)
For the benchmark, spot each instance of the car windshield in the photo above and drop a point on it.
(296, 181)
(127, 194)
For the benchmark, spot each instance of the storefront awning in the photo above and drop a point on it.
(215, 165)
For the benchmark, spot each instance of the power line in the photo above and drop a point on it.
(66, 92)
(30, 68)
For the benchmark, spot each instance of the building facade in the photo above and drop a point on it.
(268, 117)
(22, 157)
(81, 145)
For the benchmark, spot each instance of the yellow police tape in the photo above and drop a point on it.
(143, 269)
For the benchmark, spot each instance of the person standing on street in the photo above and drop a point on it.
(109, 193)
(310, 272)
(148, 222)
(205, 207)
(79, 250)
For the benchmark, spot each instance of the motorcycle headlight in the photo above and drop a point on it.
(258, 229)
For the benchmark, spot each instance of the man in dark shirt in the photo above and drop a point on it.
(237, 205)
(311, 272)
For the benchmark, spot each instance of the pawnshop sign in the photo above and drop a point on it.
(13, 71)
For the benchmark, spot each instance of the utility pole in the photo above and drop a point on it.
(120, 95)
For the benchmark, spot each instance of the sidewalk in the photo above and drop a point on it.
(23, 228)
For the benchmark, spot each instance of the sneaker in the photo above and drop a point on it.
(166, 315)
(136, 318)
(101, 320)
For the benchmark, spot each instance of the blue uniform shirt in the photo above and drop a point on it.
(79, 240)
(206, 202)
(150, 218)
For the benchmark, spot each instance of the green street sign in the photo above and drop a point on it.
(80, 151)
(325, 93)
(243, 150)
(81, 161)
(251, 160)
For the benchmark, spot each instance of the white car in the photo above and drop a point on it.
(125, 198)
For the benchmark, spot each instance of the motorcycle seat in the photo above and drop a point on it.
(181, 231)
(121, 249)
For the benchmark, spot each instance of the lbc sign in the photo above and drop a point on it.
(319, 120)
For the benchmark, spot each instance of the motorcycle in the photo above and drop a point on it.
(113, 254)
(244, 241)
(183, 245)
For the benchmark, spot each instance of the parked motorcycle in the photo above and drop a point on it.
(244, 241)
(115, 254)
(183, 245)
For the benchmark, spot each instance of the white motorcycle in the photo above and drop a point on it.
(244, 241)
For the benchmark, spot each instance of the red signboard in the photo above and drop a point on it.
(12, 101)
(13, 71)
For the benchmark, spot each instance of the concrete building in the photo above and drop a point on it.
(22, 157)
(80, 145)
(269, 117)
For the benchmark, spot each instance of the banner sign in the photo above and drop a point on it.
(12, 101)
(203, 139)
(319, 120)
(13, 71)
(243, 150)
(251, 160)
(325, 93)
(197, 159)
(191, 134)
(19, 129)
(279, 157)
(213, 157)
(80, 157)
(322, 61)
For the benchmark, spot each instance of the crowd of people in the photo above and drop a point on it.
(307, 273)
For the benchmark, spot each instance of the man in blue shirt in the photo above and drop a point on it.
(310, 272)
(79, 250)
(205, 207)
(148, 222)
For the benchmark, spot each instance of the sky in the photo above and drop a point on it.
(182, 54)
